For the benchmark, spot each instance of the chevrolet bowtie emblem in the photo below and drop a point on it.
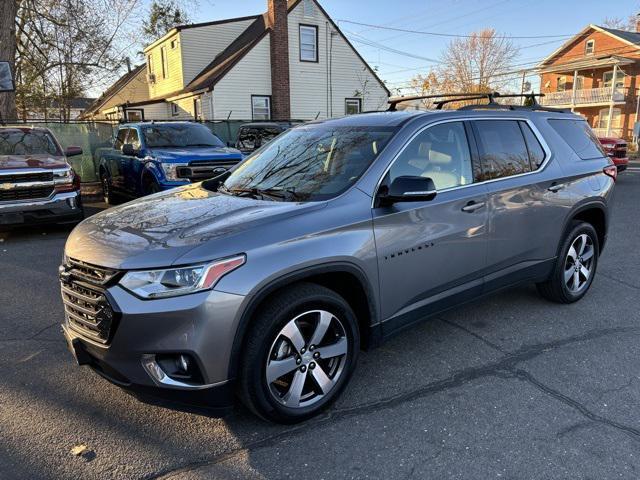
(7, 186)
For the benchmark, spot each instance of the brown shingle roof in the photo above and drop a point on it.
(113, 89)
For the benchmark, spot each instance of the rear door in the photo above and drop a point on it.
(430, 251)
(522, 182)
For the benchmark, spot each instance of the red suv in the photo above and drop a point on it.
(616, 149)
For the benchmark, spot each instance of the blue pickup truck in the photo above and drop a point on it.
(148, 157)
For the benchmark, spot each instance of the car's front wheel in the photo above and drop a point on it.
(575, 267)
(299, 354)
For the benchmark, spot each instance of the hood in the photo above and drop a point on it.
(8, 162)
(189, 154)
(156, 230)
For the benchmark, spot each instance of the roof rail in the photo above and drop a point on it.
(490, 96)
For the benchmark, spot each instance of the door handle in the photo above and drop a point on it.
(472, 206)
(555, 187)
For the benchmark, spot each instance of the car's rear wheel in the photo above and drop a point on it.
(299, 354)
(575, 267)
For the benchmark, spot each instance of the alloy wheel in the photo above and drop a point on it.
(307, 359)
(578, 267)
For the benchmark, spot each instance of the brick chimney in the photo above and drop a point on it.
(280, 96)
(638, 23)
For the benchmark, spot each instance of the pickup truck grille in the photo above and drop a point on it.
(24, 193)
(203, 170)
(86, 306)
(27, 185)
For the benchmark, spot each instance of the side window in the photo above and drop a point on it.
(122, 135)
(503, 152)
(579, 137)
(441, 153)
(536, 152)
(134, 139)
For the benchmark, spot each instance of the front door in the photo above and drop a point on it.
(431, 250)
(131, 165)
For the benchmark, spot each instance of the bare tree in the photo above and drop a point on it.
(8, 10)
(619, 23)
(476, 63)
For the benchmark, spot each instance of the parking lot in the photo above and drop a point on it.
(510, 386)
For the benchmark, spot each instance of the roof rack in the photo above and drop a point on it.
(490, 96)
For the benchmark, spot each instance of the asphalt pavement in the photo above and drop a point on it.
(511, 386)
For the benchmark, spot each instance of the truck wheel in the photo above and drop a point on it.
(575, 267)
(299, 353)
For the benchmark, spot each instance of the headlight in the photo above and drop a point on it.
(171, 282)
(171, 170)
(62, 176)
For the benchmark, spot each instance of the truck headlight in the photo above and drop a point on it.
(171, 170)
(172, 282)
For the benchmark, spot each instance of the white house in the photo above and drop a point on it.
(292, 62)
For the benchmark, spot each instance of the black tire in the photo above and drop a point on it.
(151, 186)
(253, 388)
(107, 192)
(556, 288)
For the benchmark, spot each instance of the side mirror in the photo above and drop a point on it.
(72, 151)
(128, 150)
(407, 189)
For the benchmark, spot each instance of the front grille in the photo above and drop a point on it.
(198, 171)
(620, 153)
(27, 177)
(214, 163)
(25, 193)
(86, 306)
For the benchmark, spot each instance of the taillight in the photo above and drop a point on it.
(611, 171)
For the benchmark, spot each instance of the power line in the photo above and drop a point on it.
(422, 32)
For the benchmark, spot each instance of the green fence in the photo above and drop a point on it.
(94, 135)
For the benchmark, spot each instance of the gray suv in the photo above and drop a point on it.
(266, 282)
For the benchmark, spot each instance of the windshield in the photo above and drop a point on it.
(309, 163)
(27, 142)
(180, 135)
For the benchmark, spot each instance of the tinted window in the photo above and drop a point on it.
(536, 152)
(580, 138)
(122, 135)
(309, 163)
(27, 142)
(133, 138)
(179, 135)
(502, 149)
(440, 153)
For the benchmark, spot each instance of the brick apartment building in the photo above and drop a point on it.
(596, 74)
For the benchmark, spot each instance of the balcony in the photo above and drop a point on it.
(586, 97)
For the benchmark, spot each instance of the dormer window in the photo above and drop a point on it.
(589, 47)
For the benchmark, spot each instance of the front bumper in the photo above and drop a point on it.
(200, 325)
(61, 207)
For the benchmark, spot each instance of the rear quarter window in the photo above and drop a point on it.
(579, 137)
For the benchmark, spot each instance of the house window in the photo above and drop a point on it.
(603, 118)
(174, 43)
(197, 108)
(261, 107)
(352, 106)
(165, 63)
(607, 78)
(561, 84)
(579, 82)
(150, 64)
(174, 109)
(589, 47)
(308, 43)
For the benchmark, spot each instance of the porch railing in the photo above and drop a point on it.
(586, 96)
(615, 132)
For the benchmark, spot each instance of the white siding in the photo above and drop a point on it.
(156, 111)
(310, 91)
(200, 45)
(250, 76)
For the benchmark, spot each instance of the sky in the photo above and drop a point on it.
(509, 17)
